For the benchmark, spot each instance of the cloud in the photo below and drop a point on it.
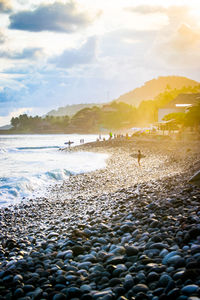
(146, 9)
(21, 69)
(2, 38)
(81, 56)
(126, 42)
(176, 44)
(57, 17)
(27, 53)
(5, 6)
(181, 47)
(175, 14)
(116, 61)
(185, 38)
(5, 95)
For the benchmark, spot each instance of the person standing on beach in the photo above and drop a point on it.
(139, 157)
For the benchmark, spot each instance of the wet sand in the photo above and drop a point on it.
(120, 231)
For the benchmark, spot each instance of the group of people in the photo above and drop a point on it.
(139, 155)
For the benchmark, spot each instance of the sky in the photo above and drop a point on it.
(57, 53)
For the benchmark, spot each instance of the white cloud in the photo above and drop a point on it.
(2, 38)
(127, 48)
(5, 6)
(146, 9)
(178, 43)
(27, 53)
(79, 56)
(56, 17)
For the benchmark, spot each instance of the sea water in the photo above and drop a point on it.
(30, 163)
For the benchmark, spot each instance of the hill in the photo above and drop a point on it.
(148, 91)
(71, 110)
(154, 87)
(6, 127)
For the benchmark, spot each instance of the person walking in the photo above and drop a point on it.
(139, 157)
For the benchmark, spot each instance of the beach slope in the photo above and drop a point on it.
(123, 232)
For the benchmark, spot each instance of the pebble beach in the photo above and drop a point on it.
(122, 232)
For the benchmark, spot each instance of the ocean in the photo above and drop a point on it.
(31, 163)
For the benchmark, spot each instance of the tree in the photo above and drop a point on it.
(193, 116)
(23, 121)
(178, 118)
(15, 122)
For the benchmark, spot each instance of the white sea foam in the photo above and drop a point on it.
(30, 163)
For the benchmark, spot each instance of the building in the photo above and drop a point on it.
(180, 104)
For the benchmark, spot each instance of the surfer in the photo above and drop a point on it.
(69, 143)
(139, 157)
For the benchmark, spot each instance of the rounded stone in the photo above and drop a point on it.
(18, 293)
(164, 280)
(77, 250)
(59, 296)
(152, 276)
(190, 289)
(140, 288)
(114, 282)
(174, 259)
(173, 294)
(85, 288)
(168, 256)
(131, 251)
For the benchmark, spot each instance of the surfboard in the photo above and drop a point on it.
(135, 155)
(195, 179)
(68, 143)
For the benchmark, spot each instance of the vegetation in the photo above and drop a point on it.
(70, 110)
(148, 110)
(152, 88)
(112, 116)
(192, 118)
(38, 124)
(178, 118)
(189, 119)
(118, 115)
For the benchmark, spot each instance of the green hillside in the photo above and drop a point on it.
(115, 116)
(70, 110)
(154, 87)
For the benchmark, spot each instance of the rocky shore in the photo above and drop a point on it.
(123, 232)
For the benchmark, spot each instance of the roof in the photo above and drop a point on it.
(165, 122)
(190, 99)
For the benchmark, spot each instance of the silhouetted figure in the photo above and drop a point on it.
(69, 143)
(139, 157)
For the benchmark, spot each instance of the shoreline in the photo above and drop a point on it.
(119, 231)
